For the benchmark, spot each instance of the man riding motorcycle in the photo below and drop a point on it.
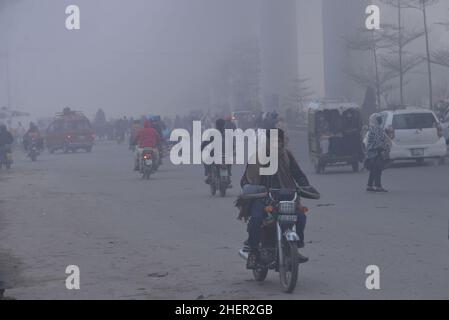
(220, 125)
(6, 139)
(147, 137)
(33, 134)
(290, 176)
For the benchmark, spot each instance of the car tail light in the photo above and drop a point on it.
(147, 156)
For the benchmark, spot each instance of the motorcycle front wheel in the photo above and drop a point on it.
(288, 274)
(146, 174)
(213, 188)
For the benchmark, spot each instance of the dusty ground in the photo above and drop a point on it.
(169, 239)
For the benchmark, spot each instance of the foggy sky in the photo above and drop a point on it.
(130, 57)
(134, 57)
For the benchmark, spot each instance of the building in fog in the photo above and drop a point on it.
(303, 39)
(279, 50)
(310, 45)
(341, 19)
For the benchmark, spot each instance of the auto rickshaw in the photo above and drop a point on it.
(335, 135)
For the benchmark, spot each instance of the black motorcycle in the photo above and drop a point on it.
(33, 150)
(279, 245)
(5, 157)
(220, 179)
(148, 163)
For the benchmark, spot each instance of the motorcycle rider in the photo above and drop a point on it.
(33, 133)
(135, 127)
(290, 176)
(147, 137)
(6, 139)
(220, 125)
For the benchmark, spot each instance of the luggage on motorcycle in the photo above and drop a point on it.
(250, 192)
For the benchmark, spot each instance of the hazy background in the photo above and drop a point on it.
(134, 57)
(129, 56)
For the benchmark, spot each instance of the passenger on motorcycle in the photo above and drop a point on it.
(147, 137)
(6, 139)
(289, 176)
(33, 133)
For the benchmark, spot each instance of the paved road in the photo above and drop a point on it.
(167, 238)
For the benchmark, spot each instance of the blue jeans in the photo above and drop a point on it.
(258, 214)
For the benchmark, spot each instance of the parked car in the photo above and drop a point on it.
(416, 133)
(70, 131)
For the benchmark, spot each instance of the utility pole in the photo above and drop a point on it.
(8, 81)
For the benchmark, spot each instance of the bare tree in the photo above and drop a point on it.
(373, 42)
(422, 6)
(385, 88)
(300, 93)
(441, 57)
(399, 37)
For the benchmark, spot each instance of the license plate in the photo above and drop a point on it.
(148, 162)
(417, 152)
(223, 172)
(287, 218)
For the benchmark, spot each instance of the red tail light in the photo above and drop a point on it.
(147, 156)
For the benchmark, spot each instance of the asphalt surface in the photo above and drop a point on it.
(167, 238)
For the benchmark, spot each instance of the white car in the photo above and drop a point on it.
(416, 134)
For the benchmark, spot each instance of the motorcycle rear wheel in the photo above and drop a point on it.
(260, 274)
(223, 191)
(288, 274)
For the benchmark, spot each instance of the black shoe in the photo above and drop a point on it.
(302, 259)
(381, 190)
(370, 189)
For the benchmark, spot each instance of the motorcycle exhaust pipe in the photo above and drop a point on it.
(243, 254)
